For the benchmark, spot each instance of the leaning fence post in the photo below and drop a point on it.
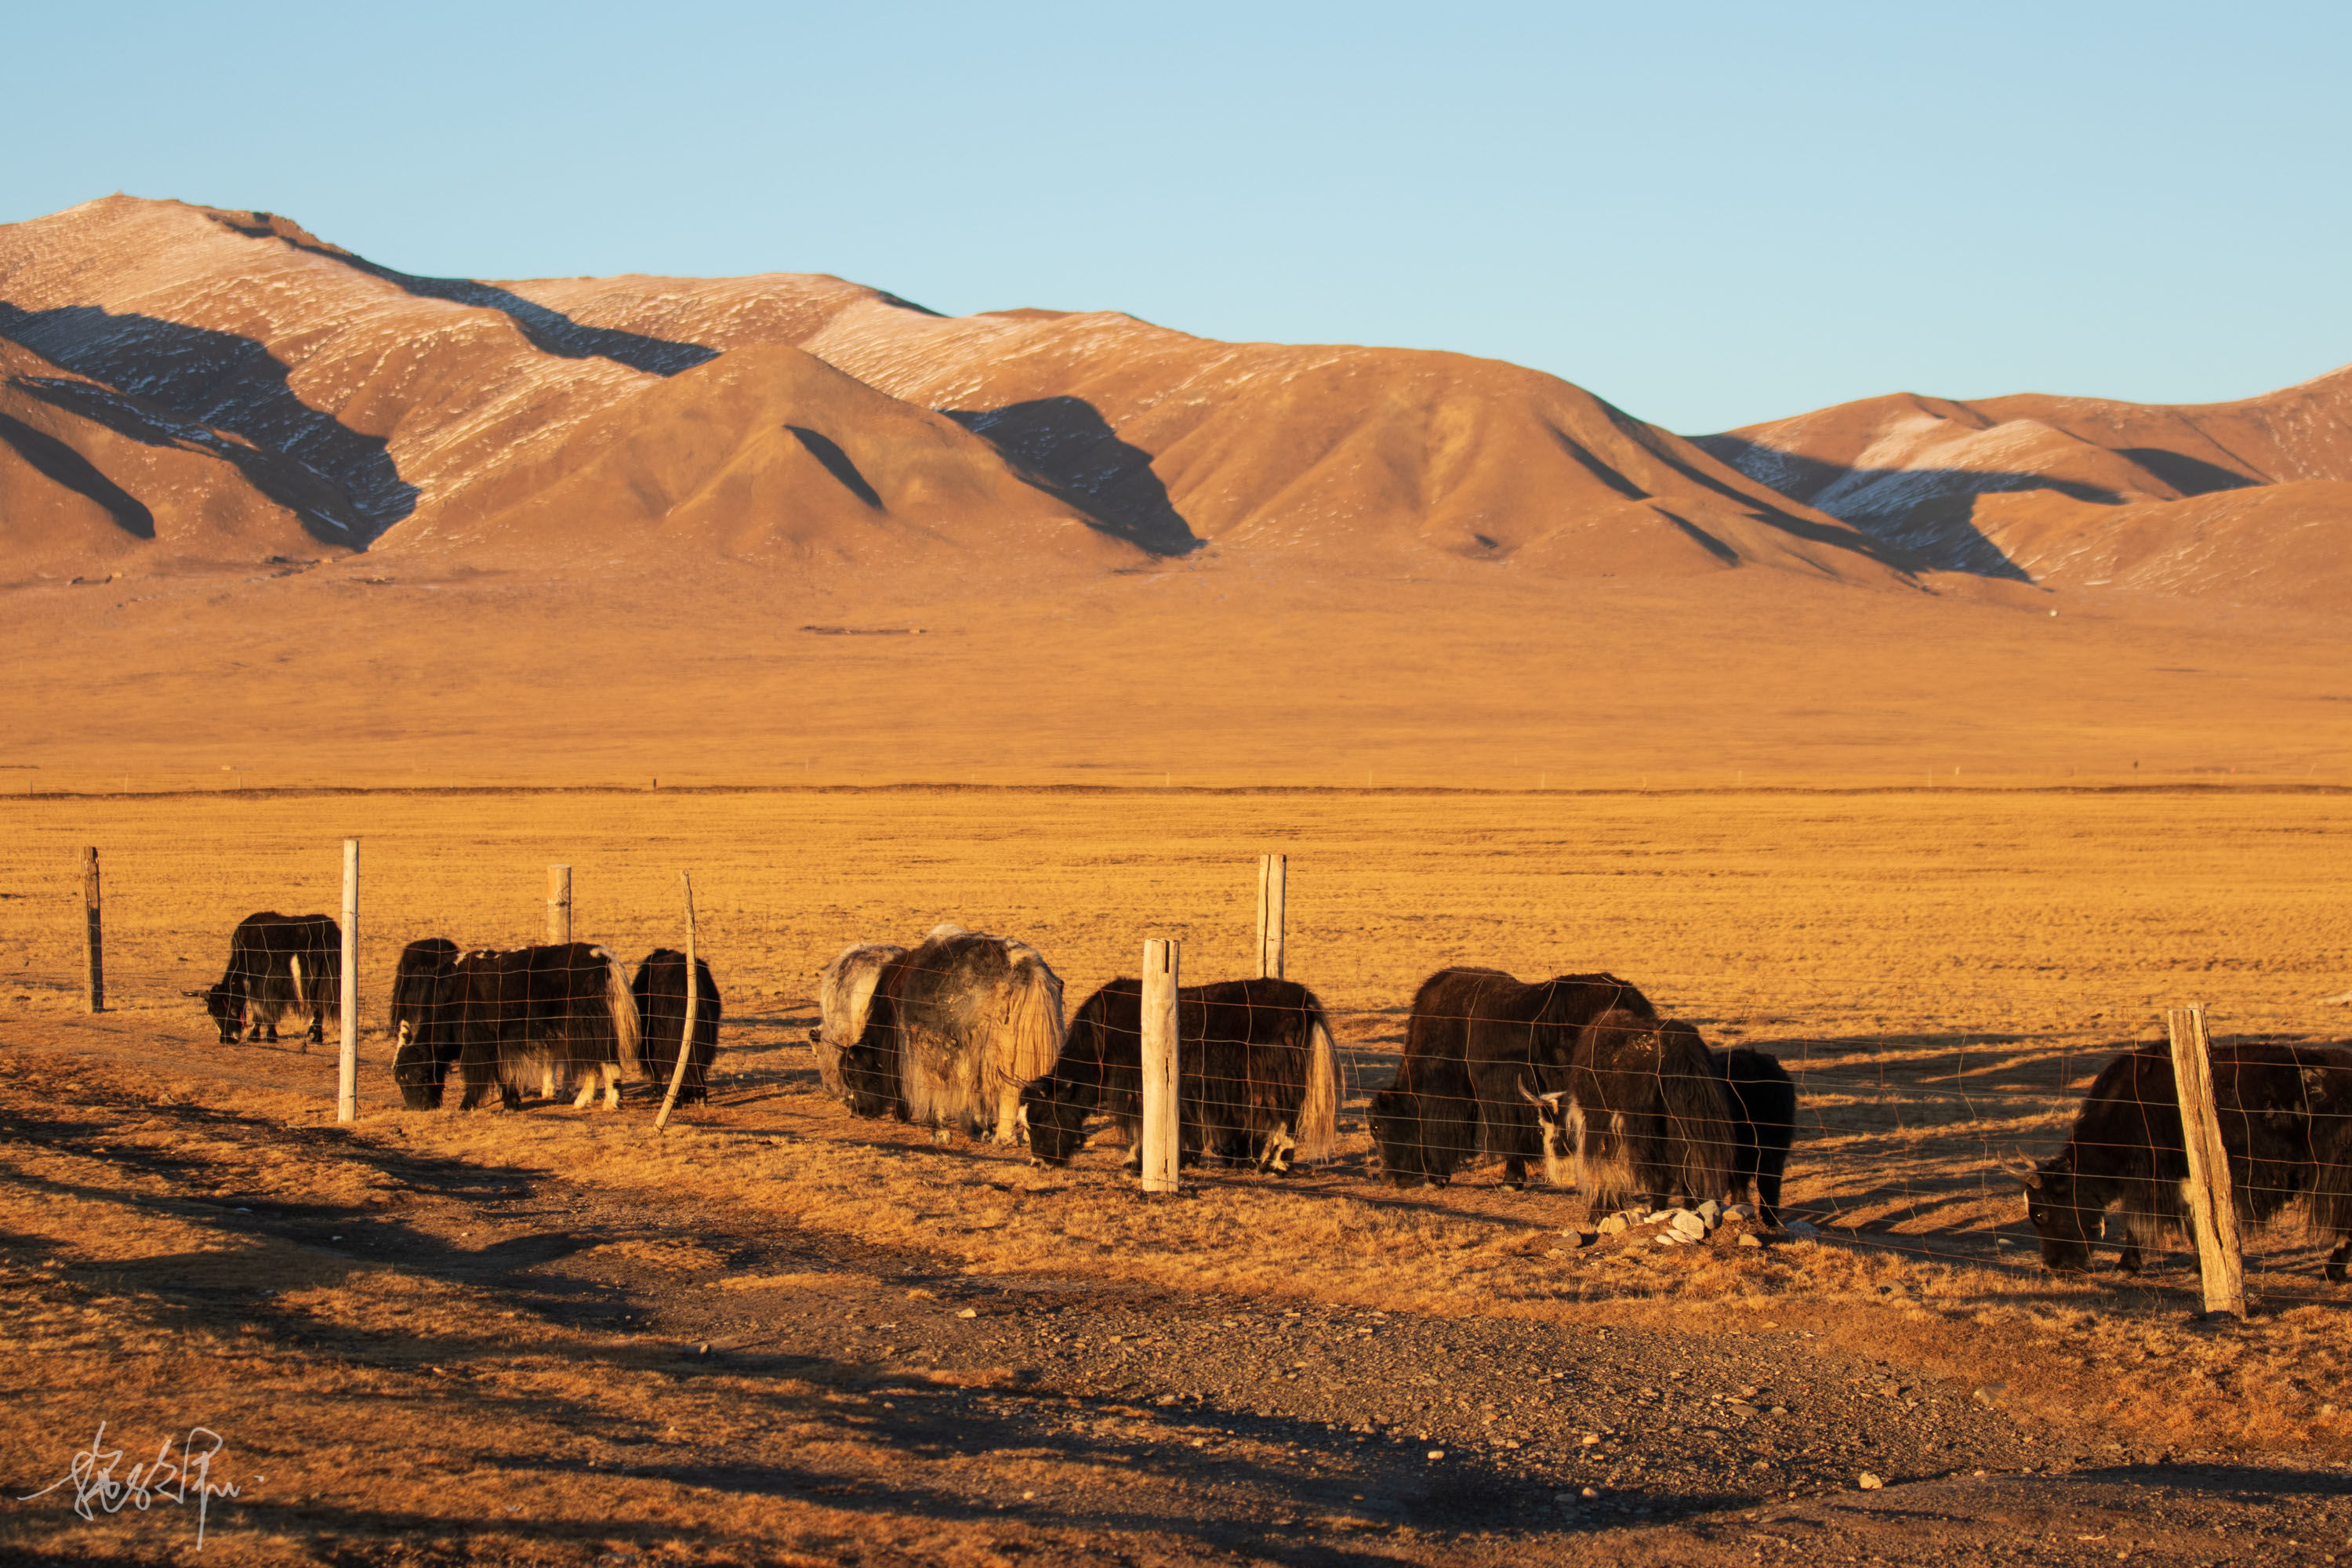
(693, 994)
(2212, 1209)
(93, 970)
(1160, 1069)
(347, 1094)
(558, 905)
(1273, 875)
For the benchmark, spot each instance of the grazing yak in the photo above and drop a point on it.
(2286, 1127)
(1648, 1116)
(1257, 1078)
(1763, 1125)
(842, 993)
(659, 991)
(529, 1016)
(276, 962)
(953, 1031)
(1474, 1037)
(416, 1068)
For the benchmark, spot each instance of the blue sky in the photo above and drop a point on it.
(1709, 214)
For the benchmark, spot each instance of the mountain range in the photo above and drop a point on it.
(184, 387)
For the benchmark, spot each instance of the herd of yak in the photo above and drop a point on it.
(1578, 1074)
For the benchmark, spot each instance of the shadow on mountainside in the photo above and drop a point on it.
(1923, 512)
(220, 379)
(1066, 448)
(53, 458)
(324, 511)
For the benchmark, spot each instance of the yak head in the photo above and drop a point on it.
(1395, 1119)
(867, 1082)
(2058, 1218)
(416, 1066)
(225, 1004)
(1053, 1115)
(1562, 1127)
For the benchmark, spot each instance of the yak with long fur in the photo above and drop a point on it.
(417, 1069)
(2286, 1126)
(843, 993)
(276, 963)
(1256, 1076)
(1763, 1104)
(1476, 1037)
(953, 1031)
(532, 1016)
(659, 991)
(1647, 1116)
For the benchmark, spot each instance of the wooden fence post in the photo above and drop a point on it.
(347, 1094)
(1162, 1073)
(2212, 1209)
(1273, 878)
(93, 963)
(558, 905)
(693, 996)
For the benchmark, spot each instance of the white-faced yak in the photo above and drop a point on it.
(953, 1031)
(2286, 1127)
(1256, 1076)
(1476, 1037)
(278, 962)
(1645, 1118)
(843, 992)
(659, 991)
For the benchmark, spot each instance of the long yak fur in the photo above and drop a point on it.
(953, 1031)
(1645, 1115)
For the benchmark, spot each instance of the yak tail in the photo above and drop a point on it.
(1032, 1041)
(1318, 1113)
(1698, 1107)
(294, 966)
(628, 1030)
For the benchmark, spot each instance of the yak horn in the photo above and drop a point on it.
(2024, 1171)
(1539, 1101)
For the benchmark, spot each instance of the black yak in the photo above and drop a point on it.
(418, 1068)
(953, 1031)
(2286, 1127)
(1646, 1116)
(1475, 1037)
(843, 993)
(1256, 1076)
(531, 1015)
(275, 963)
(659, 991)
(1763, 1125)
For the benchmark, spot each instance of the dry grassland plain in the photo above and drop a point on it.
(1943, 971)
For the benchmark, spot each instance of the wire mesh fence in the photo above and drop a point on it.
(1906, 1141)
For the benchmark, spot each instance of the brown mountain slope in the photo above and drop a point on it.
(1384, 456)
(1921, 472)
(489, 419)
(767, 457)
(92, 479)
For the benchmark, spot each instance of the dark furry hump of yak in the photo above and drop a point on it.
(1477, 1041)
(660, 992)
(2286, 1126)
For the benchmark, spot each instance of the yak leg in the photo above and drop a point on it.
(2334, 1267)
(2127, 1261)
(587, 1089)
(1279, 1150)
(611, 1086)
(1515, 1173)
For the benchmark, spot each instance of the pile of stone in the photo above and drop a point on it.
(1708, 1224)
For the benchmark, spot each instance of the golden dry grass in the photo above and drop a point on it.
(1944, 972)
